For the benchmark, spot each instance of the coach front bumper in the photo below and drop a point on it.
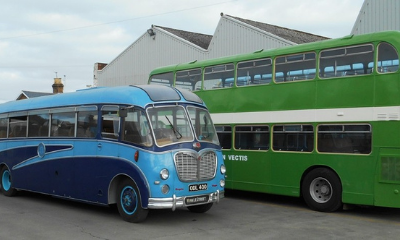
(185, 201)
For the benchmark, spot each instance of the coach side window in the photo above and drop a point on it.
(3, 127)
(62, 122)
(38, 124)
(388, 59)
(136, 128)
(110, 122)
(18, 126)
(87, 122)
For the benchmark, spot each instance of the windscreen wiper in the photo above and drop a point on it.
(178, 135)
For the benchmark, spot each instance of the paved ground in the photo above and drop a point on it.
(240, 215)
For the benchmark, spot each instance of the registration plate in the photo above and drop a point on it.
(198, 187)
(196, 200)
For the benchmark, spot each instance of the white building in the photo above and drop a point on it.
(162, 46)
(377, 16)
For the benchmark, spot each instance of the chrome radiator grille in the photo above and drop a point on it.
(191, 167)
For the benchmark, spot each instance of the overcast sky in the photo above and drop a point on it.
(39, 38)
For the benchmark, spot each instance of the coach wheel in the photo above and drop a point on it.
(129, 202)
(6, 182)
(200, 208)
(322, 190)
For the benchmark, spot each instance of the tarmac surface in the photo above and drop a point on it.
(241, 215)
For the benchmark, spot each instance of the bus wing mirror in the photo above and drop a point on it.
(123, 112)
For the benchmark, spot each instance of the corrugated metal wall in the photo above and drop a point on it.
(235, 37)
(378, 15)
(231, 37)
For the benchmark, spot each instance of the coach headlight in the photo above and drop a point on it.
(164, 174)
(223, 169)
(222, 183)
(165, 189)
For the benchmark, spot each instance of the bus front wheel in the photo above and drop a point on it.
(322, 190)
(6, 182)
(129, 202)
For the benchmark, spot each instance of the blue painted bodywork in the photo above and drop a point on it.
(83, 169)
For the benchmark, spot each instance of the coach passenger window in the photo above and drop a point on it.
(110, 122)
(299, 138)
(63, 123)
(348, 61)
(225, 136)
(17, 126)
(189, 79)
(388, 59)
(3, 127)
(136, 128)
(220, 76)
(352, 138)
(295, 67)
(87, 122)
(254, 72)
(38, 124)
(252, 137)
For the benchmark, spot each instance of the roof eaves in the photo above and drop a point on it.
(285, 33)
(199, 39)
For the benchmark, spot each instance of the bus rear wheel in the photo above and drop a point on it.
(129, 202)
(6, 182)
(322, 190)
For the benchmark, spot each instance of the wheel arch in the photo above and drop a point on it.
(2, 164)
(141, 184)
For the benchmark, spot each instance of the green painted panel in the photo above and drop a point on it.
(387, 187)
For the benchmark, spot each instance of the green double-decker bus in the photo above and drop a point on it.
(318, 120)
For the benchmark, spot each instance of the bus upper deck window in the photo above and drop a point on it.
(189, 79)
(254, 72)
(220, 76)
(347, 61)
(166, 79)
(388, 59)
(295, 67)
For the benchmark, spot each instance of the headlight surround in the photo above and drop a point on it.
(164, 174)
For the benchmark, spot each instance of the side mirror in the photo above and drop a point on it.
(123, 112)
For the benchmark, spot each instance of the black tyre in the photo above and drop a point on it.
(200, 208)
(322, 190)
(6, 184)
(130, 203)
